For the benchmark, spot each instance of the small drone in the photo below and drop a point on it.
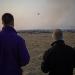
(38, 14)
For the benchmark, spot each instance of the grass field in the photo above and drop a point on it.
(37, 44)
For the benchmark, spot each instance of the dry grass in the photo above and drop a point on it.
(37, 44)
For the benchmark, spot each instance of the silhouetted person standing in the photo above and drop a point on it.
(60, 58)
(13, 51)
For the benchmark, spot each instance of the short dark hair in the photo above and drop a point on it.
(7, 18)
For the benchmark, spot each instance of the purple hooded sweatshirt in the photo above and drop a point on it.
(13, 52)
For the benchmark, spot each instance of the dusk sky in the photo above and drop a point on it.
(40, 14)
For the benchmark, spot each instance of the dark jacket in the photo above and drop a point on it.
(13, 52)
(59, 59)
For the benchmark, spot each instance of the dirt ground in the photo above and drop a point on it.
(37, 44)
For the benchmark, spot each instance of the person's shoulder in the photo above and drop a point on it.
(19, 38)
(70, 48)
(67, 46)
(48, 52)
(2, 34)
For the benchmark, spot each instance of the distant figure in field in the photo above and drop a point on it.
(60, 58)
(13, 51)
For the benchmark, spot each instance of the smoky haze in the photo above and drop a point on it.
(40, 14)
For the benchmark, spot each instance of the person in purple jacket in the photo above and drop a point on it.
(13, 51)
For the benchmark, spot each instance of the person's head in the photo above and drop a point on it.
(57, 34)
(7, 19)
